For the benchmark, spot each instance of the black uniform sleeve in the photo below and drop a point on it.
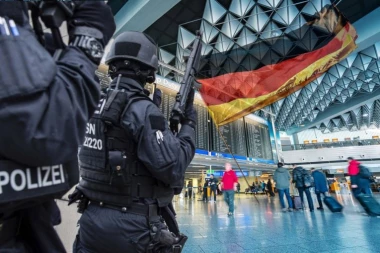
(165, 155)
(47, 126)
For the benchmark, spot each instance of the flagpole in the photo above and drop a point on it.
(229, 150)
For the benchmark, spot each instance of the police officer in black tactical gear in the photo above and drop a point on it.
(130, 163)
(44, 108)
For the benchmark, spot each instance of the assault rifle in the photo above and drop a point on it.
(53, 14)
(187, 84)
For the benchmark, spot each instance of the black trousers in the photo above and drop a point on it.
(270, 191)
(319, 198)
(204, 198)
(36, 230)
(112, 231)
(213, 192)
(301, 190)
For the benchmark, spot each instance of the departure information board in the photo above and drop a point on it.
(258, 140)
(166, 106)
(238, 138)
(244, 137)
(217, 143)
(234, 138)
(201, 131)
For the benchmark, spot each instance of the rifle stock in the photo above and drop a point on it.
(187, 84)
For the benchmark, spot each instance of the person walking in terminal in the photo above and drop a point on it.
(205, 185)
(353, 171)
(190, 189)
(213, 182)
(263, 186)
(365, 176)
(238, 188)
(270, 187)
(320, 184)
(302, 179)
(229, 184)
(282, 178)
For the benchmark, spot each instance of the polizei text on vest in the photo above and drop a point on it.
(32, 178)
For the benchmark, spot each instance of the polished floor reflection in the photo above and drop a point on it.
(262, 227)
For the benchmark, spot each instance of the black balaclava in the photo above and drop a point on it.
(132, 70)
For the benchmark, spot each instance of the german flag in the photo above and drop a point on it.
(233, 95)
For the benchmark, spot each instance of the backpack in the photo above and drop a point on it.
(364, 172)
(308, 180)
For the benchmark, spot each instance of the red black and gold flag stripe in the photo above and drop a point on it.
(233, 95)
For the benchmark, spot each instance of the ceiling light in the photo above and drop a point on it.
(365, 114)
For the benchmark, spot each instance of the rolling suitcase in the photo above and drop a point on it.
(333, 204)
(370, 205)
(297, 204)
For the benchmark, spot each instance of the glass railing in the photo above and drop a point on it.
(338, 144)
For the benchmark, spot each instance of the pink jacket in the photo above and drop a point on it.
(353, 168)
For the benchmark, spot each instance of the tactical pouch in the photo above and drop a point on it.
(166, 242)
(116, 101)
(117, 162)
(26, 68)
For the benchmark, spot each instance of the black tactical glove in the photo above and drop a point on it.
(157, 97)
(83, 201)
(146, 92)
(190, 117)
(93, 14)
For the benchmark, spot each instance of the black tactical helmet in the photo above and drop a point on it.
(135, 46)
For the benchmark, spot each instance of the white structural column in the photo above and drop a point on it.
(138, 15)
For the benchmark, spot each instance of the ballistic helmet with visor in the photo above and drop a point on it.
(134, 46)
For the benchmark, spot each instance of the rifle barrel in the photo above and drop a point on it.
(186, 84)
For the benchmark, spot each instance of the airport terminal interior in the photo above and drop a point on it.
(307, 77)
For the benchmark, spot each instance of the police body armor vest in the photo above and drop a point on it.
(109, 168)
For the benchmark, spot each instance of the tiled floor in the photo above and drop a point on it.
(262, 227)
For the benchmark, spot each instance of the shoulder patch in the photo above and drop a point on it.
(157, 122)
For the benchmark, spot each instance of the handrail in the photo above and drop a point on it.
(338, 144)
